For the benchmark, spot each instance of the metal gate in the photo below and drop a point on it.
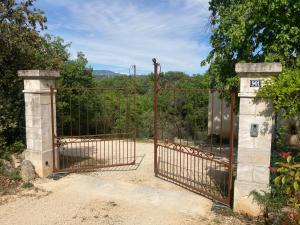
(95, 127)
(188, 151)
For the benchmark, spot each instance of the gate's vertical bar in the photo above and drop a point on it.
(135, 109)
(231, 152)
(70, 110)
(155, 112)
(79, 95)
(52, 127)
(212, 120)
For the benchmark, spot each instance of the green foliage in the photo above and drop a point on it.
(22, 47)
(14, 175)
(17, 146)
(104, 105)
(288, 178)
(73, 96)
(285, 192)
(75, 73)
(27, 185)
(252, 31)
(113, 105)
(284, 91)
(84, 104)
(273, 201)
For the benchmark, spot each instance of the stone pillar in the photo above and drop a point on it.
(254, 148)
(38, 118)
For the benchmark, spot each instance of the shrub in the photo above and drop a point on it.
(284, 198)
(6, 151)
(288, 179)
(27, 185)
(284, 91)
(14, 175)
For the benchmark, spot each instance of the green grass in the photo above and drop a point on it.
(27, 185)
(14, 175)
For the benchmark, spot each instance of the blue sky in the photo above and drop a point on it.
(114, 34)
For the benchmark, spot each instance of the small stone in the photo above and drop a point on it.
(27, 171)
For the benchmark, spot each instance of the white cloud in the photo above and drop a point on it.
(121, 33)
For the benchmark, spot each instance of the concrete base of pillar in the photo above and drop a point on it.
(243, 200)
(42, 161)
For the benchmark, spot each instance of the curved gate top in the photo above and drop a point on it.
(189, 149)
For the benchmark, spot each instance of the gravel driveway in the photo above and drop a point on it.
(125, 195)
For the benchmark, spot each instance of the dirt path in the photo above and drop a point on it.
(128, 195)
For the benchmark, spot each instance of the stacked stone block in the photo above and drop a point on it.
(38, 118)
(254, 153)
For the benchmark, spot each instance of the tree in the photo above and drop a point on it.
(257, 31)
(260, 31)
(19, 41)
(284, 90)
(76, 73)
(22, 47)
(252, 31)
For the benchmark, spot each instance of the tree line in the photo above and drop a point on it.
(123, 104)
(22, 46)
(247, 31)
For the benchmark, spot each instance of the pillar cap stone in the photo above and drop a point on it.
(38, 74)
(261, 69)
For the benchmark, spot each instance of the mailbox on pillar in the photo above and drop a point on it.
(254, 130)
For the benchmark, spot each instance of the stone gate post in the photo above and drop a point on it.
(38, 118)
(255, 135)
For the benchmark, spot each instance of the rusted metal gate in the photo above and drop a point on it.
(95, 127)
(186, 150)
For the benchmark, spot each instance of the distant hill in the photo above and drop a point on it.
(106, 73)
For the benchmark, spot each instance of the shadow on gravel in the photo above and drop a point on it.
(139, 160)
